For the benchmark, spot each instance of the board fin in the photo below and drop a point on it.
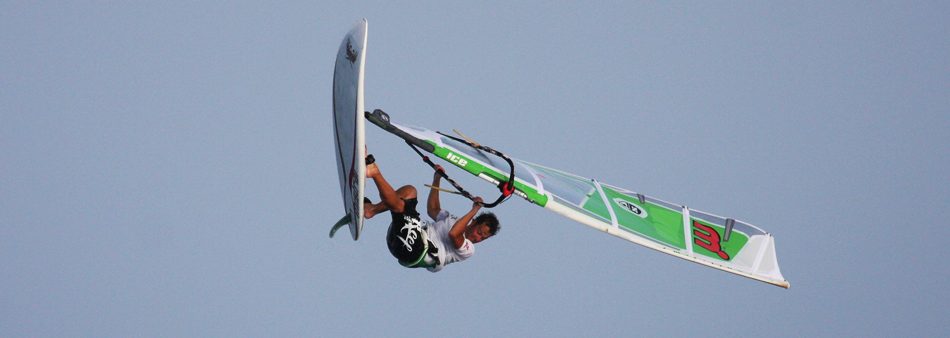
(339, 224)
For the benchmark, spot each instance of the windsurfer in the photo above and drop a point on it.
(432, 245)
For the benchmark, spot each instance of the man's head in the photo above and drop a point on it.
(482, 227)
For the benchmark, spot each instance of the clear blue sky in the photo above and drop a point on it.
(167, 169)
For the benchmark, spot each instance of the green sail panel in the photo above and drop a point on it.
(708, 234)
(654, 221)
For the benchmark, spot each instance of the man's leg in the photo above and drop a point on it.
(391, 199)
(404, 193)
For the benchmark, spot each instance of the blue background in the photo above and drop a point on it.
(167, 169)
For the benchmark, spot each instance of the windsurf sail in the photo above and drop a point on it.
(718, 242)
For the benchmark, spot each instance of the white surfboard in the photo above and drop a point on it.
(348, 126)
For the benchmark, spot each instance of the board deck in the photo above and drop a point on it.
(348, 124)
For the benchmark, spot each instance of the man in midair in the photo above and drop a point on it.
(422, 244)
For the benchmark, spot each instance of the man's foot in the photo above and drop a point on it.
(369, 210)
(372, 171)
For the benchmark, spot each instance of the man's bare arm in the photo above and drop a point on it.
(457, 233)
